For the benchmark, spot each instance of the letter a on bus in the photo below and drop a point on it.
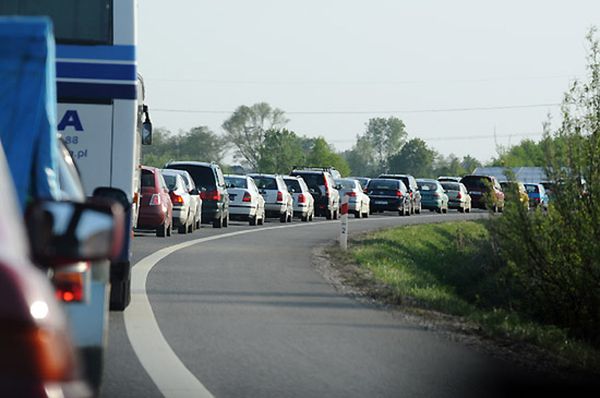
(71, 118)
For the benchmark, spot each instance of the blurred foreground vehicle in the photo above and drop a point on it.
(537, 196)
(388, 195)
(433, 196)
(458, 196)
(208, 178)
(245, 201)
(184, 206)
(515, 191)
(156, 210)
(278, 201)
(358, 202)
(485, 191)
(43, 169)
(304, 203)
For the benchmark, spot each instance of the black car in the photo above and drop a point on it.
(411, 186)
(322, 187)
(388, 195)
(208, 177)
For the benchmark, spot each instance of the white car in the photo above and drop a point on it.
(358, 201)
(304, 203)
(194, 193)
(184, 211)
(245, 201)
(278, 201)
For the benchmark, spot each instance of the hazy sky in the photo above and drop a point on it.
(313, 58)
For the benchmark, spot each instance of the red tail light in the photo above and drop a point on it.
(176, 199)
(399, 194)
(459, 196)
(211, 195)
(326, 187)
(279, 196)
(301, 198)
(436, 195)
(155, 200)
(352, 194)
(70, 283)
(247, 197)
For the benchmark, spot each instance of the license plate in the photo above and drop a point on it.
(381, 202)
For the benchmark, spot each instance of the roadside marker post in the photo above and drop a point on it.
(344, 224)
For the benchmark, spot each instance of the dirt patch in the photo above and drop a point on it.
(347, 277)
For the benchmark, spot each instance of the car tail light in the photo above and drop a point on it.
(326, 187)
(211, 195)
(436, 195)
(70, 284)
(301, 198)
(247, 197)
(459, 196)
(352, 194)
(536, 200)
(155, 200)
(399, 194)
(176, 199)
(279, 196)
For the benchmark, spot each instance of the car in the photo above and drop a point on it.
(209, 179)
(388, 195)
(184, 206)
(537, 196)
(362, 180)
(449, 179)
(358, 202)
(322, 187)
(433, 196)
(515, 188)
(304, 203)
(156, 208)
(278, 200)
(413, 190)
(458, 196)
(194, 194)
(245, 201)
(485, 191)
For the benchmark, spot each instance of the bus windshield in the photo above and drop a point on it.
(75, 21)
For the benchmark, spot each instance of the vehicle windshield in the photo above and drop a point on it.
(532, 188)
(383, 185)
(265, 182)
(147, 178)
(313, 180)
(203, 176)
(75, 21)
(450, 186)
(171, 181)
(427, 186)
(236, 182)
(293, 185)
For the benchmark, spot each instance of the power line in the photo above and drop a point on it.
(361, 112)
(458, 137)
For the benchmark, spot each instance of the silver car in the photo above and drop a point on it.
(245, 201)
(278, 201)
(184, 212)
(458, 196)
(194, 193)
(304, 203)
(358, 201)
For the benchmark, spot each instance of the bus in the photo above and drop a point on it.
(103, 121)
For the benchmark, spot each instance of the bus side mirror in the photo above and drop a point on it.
(147, 133)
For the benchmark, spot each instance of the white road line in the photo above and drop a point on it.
(163, 366)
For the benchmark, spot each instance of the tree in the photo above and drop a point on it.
(361, 158)
(449, 166)
(246, 128)
(386, 137)
(415, 158)
(281, 151)
(469, 164)
(322, 155)
(526, 153)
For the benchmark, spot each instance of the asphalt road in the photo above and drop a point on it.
(249, 316)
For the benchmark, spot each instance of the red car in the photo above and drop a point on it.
(156, 209)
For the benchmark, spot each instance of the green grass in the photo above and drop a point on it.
(452, 268)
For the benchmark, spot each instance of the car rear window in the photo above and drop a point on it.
(451, 186)
(346, 184)
(313, 180)
(202, 176)
(171, 181)
(265, 182)
(475, 182)
(147, 178)
(383, 185)
(532, 188)
(236, 182)
(293, 185)
(427, 186)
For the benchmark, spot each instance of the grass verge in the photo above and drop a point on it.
(451, 268)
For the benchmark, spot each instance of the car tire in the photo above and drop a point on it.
(161, 231)
(283, 218)
(357, 214)
(182, 229)
(170, 230)
(218, 222)
(329, 215)
(262, 219)
(366, 214)
(462, 209)
(438, 210)
(226, 221)
(304, 218)
(252, 221)
(191, 227)
(122, 296)
(418, 210)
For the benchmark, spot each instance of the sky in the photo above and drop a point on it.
(468, 77)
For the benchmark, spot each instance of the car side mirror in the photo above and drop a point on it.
(62, 233)
(194, 192)
(147, 133)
